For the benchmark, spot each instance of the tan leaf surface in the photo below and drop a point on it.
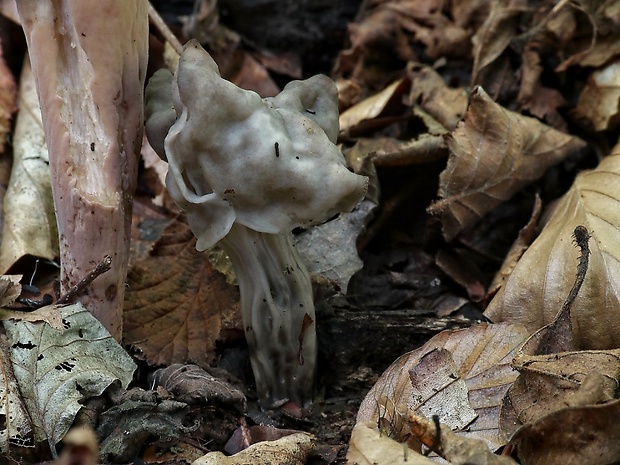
(572, 389)
(548, 383)
(368, 446)
(481, 354)
(289, 450)
(10, 289)
(49, 314)
(541, 281)
(30, 222)
(587, 435)
(494, 153)
(177, 304)
(599, 101)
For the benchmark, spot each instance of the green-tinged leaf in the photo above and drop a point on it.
(56, 369)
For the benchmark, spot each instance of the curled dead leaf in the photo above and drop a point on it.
(494, 153)
(542, 279)
(599, 101)
(480, 356)
(177, 304)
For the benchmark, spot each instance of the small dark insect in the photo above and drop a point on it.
(311, 112)
(277, 147)
(92, 146)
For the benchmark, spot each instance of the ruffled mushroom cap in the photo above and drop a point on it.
(268, 164)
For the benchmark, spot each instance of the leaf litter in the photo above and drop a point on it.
(546, 100)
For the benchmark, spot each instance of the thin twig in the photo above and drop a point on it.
(81, 286)
(163, 28)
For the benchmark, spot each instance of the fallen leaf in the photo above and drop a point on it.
(587, 435)
(382, 103)
(330, 249)
(599, 101)
(56, 370)
(549, 383)
(290, 450)
(428, 89)
(49, 314)
(128, 427)
(16, 429)
(10, 288)
(191, 384)
(368, 446)
(455, 448)
(177, 304)
(495, 34)
(30, 221)
(494, 153)
(541, 281)
(481, 354)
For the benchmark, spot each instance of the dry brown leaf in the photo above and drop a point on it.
(541, 281)
(368, 446)
(428, 89)
(455, 448)
(30, 222)
(572, 389)
(360, 114)
(494, 154)
(482, 355)
(290, 450)
(177, 304)
(500, 27)
(49, 314)
(599, 101)
(587, 435)
(10, 289)
(193, 385)
(548, 383)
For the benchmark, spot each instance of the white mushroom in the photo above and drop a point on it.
(247, 171)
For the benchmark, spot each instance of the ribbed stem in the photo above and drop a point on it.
(278, 314)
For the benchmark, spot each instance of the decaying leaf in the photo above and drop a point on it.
(548, 383)
(16, 428)
(362, 115)
(49, 314)
(290, 450)
(428, 89)
(55, 369)
(368, 446)
(494, 153)
(10, 289)
(495, 34)
(330, 249)
(30, 222)
(455, 448)
(599, 101)
(128, 427)
(481, 355)
(191, 384)
(541, 281)
(177, 303)
(572, 436)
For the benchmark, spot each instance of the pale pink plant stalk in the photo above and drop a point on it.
(89, 58)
